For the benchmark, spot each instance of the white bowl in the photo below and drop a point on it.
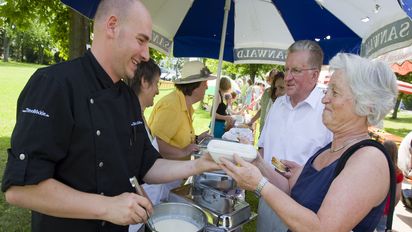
(225, 149)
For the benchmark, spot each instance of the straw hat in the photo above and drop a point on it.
(194, 71)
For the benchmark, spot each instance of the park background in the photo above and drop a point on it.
(13, 77)
(38, 33)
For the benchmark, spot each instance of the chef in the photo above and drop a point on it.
(80, 136)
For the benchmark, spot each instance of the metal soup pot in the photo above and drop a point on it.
(176, 213)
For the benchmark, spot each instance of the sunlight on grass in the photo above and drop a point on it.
(400, 126)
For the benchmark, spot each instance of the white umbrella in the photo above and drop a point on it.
(259, 31)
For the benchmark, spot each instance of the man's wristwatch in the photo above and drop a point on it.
(260, 186)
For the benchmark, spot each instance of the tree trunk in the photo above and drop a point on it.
(41, 54)
(6, 47)
(78, 35)
(22, 51)
(395, 109)
(253, 70)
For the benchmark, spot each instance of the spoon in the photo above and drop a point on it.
(136, 185)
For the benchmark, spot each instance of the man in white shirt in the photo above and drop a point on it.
(405, 155)
(293, 129)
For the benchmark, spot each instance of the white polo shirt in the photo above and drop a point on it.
(404, 157)
(295, 133)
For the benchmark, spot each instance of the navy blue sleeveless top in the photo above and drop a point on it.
(312, 185)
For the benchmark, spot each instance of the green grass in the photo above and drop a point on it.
(13, 77)
(400, 126)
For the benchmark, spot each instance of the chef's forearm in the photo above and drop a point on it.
(164, 170)
(56, 199)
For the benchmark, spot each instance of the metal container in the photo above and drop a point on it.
(231, 220)
(178, 211)
(216, 180)
(215, 200)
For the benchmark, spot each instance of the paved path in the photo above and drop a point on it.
(402, 218)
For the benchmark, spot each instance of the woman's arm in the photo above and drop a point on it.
(398, 190)
(267, 170)
(171, 152)
(256, 117)
(362, 185)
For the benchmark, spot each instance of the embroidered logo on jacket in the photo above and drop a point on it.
(136, 123)
(35, 111)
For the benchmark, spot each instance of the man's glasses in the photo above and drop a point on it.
(297, 71)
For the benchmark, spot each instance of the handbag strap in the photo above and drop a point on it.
(392, 189)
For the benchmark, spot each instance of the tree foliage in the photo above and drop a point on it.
(405, 98)
(234, 71)
(42, 23)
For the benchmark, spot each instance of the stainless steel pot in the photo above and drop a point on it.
(178, 211)
(217, 180)
(215, 200)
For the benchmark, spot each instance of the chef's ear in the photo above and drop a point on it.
(112, 25)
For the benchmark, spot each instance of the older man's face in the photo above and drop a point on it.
(300, 77)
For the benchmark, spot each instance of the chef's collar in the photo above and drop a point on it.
(102, 75)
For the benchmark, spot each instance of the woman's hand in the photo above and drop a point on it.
(189, 149)
(230, 122)
(259, 161)
(204, 135)
(293, 167)
(246, 174)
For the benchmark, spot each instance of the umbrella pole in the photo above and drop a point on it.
(219, 67)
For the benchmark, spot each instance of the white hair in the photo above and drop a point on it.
(373, 85)
(316, 53)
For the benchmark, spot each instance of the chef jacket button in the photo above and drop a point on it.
(103, 223)
(91, 101)
(101, 164)
(22, 156)
(98, 132)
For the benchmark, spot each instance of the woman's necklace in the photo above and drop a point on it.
(345, 144)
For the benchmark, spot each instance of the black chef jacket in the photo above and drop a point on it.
(77, 126)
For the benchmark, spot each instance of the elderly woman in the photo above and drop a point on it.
(360, 93)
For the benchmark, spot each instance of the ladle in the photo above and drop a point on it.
(136, 185)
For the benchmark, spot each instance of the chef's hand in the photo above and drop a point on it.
(127, 208)
(189, 149)
(247, 175)
(206, 163)
(292, 166)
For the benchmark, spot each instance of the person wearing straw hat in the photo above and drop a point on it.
(171, 120)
